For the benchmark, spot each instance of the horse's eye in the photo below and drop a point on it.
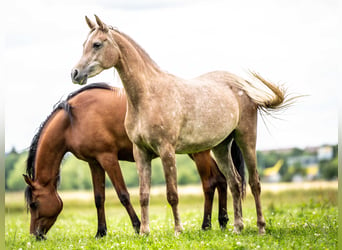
(97, 45)
(34, 205)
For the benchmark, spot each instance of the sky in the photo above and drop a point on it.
(294, 43)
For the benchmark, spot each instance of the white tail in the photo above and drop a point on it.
(274, 98)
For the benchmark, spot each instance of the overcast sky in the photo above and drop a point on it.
(288, 42)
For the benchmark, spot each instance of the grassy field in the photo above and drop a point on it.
(298, 217)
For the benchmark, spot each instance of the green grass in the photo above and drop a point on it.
(296, 219)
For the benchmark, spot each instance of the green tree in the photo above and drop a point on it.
(329, 169)
(15, 180)
(158, 177)
(75, 174)
(130, 174)
(187, 171)
(296, 169)
(297, 152)
(10, 160)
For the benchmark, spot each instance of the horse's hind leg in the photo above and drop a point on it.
(211, 178)
(98, 176)
(111, 165)
(245, 137)
(233, 179)
(222, 197)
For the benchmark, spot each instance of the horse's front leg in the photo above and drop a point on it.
(143, 161)
(98, 176)
(167, 156)
(111, 165)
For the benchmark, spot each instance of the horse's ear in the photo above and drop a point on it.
(101, 24)
(90, 23)
(28, 180)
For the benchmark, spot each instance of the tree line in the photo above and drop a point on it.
(75, 174)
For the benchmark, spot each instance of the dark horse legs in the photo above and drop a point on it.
(98, 176)
(211, 178)
(110, 164)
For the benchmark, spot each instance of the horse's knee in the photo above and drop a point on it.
(209, 187)
(144, 199)
(124, 199)
(99, 201)
(222, 189)
(235, 188)
(254, 183)
(172, 198)
(220, 179)
(209, 192)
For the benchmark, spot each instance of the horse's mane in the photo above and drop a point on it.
(98, 85)
(63, 104)
(31, 158)
(141, 51)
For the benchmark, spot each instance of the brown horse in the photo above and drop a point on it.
(90, 124)
(168, 115)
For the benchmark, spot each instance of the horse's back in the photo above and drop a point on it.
(98, 124)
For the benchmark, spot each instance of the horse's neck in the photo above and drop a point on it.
(136, 69)
(50, 152)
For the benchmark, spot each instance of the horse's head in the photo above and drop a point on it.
(44, 204)
(100, 52)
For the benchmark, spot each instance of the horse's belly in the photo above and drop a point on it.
(197, 136)
(188, 145)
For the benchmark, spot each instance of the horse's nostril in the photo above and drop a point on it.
(74, 73)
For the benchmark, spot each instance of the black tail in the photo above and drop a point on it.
(239, 165)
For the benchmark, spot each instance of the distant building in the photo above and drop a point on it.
(325, 153)
(309, 161)
(304, 160)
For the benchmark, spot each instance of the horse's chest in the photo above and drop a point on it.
(146, 131)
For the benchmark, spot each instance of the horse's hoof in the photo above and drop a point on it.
(40, 237)
(206, 227)
(223, 221)
(137, 230)
(261, 225)
(178, 230)
(144, 231)
(238, 228)
(101, 232)
(136, 227)
(262, 231)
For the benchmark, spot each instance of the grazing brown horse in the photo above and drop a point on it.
(168, 115)
(90, 124)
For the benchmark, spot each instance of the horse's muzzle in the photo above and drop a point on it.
(40, 234)
(40, 237)
(77, 77)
